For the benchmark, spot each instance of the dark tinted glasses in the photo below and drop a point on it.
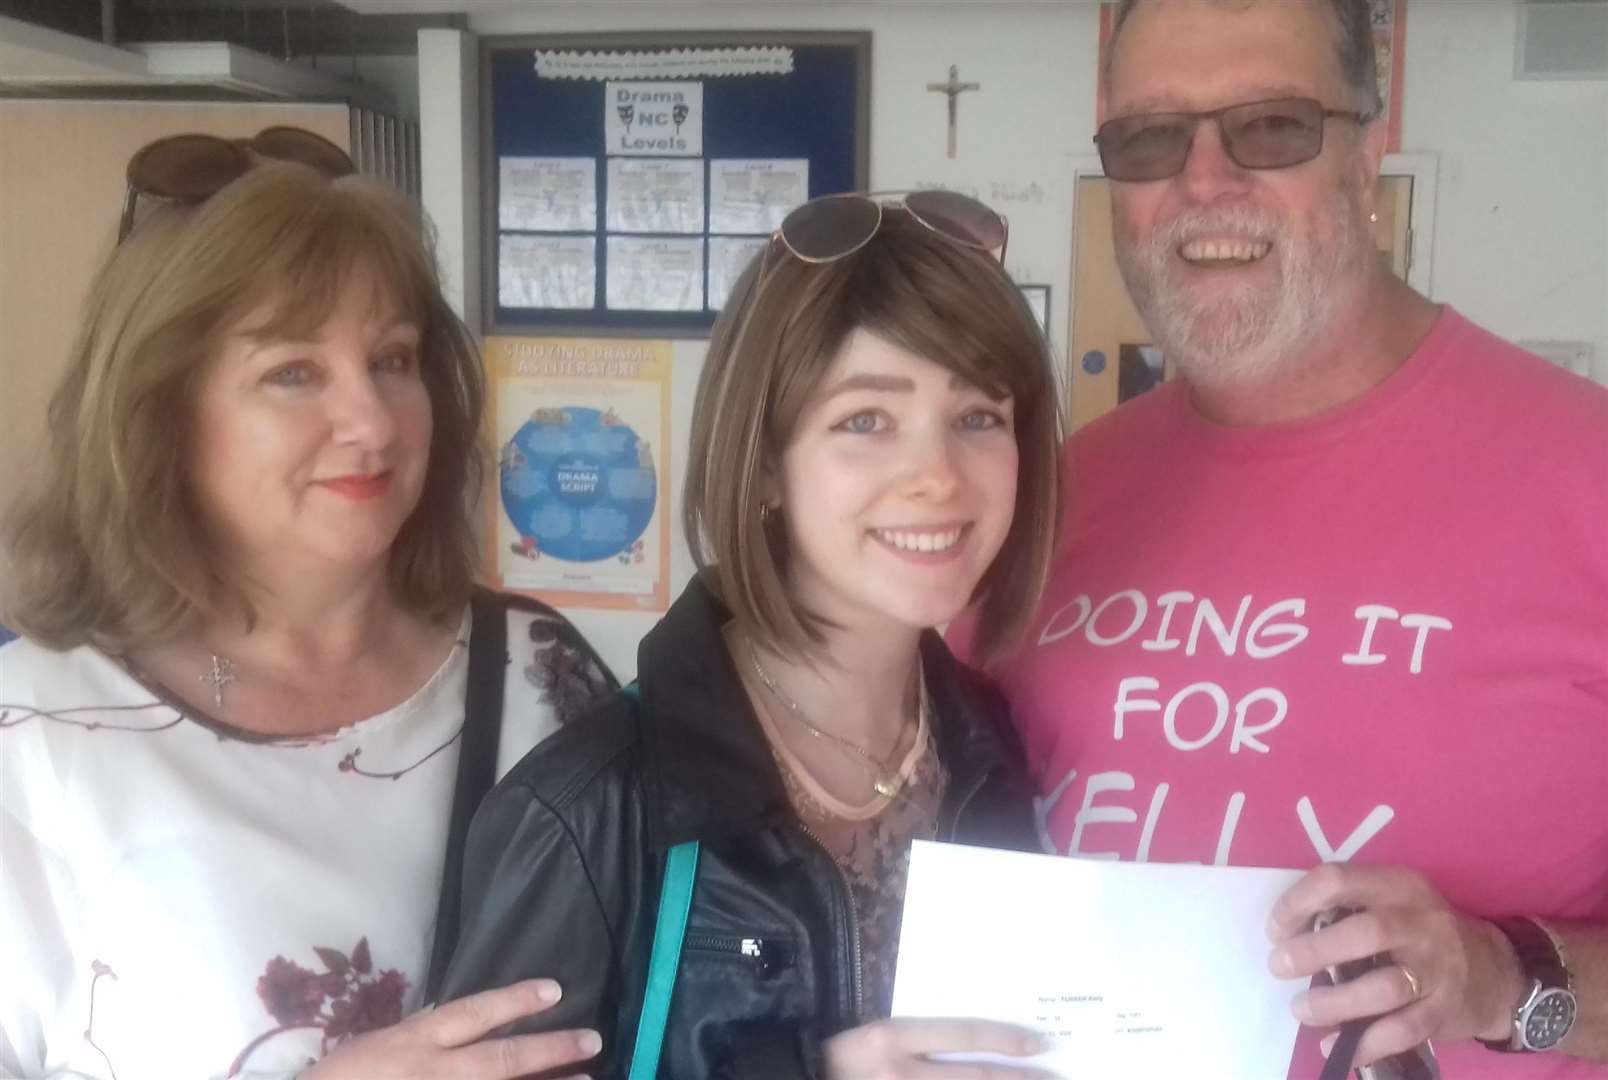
(1257, 135)
(192, 168)
(834, 226)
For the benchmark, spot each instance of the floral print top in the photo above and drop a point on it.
(181, 904)
(871, 845)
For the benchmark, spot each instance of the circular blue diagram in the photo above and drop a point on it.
(578, 484)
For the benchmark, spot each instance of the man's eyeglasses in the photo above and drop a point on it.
(834, 226)
(1257, 135)
(191, 169)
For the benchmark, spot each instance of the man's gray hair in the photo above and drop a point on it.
(1354, 41)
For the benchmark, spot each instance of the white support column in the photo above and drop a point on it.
(449, 142)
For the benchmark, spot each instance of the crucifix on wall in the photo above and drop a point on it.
(954, 88)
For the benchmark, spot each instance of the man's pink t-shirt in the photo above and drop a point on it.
(1378, 636)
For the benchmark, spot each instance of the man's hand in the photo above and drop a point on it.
(451, 1042)
(1454, 976)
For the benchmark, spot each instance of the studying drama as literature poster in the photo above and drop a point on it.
(580, 499)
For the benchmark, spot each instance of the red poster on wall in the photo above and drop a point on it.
(1390, 40)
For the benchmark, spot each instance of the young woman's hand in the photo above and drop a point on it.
(901, 1049)
(450, 1041)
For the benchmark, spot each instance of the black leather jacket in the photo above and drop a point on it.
(564, 862)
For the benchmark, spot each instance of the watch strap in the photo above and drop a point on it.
(1541, 962)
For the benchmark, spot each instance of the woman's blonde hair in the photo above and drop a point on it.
(779, 333)
(108, 546)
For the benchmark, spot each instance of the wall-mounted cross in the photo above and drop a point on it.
(954, 88)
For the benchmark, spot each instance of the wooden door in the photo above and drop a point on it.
(61, 195)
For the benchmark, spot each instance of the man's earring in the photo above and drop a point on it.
(764, 513)
(1374, 217)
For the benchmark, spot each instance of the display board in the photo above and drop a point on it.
(628, 179)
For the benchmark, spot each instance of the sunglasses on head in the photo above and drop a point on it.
(190, 169)
(1272, 134)
(834, 226)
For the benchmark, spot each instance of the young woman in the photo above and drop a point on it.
(873, 451)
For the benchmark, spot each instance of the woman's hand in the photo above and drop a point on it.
(450, 1041)
(1453, 976)
(902, 1049)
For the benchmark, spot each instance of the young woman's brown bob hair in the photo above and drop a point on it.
(109, 548)
(781, 330)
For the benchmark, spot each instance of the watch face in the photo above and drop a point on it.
(1549, 1019)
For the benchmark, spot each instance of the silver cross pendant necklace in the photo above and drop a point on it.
(221, 675)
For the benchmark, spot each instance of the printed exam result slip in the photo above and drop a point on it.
(1131, 969)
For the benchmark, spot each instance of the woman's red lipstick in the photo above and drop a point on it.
(359, 488)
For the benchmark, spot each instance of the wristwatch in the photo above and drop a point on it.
(1548, 1010)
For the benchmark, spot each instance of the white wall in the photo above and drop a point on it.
(1037, 76)
(1521, 238)
(1035, 108)
(449, 176)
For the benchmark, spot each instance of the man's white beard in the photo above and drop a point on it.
(1245, 335)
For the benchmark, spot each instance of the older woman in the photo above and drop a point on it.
(230, 732)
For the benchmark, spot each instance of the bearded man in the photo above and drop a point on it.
(1337, 596)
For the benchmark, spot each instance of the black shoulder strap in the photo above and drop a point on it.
(477, 767)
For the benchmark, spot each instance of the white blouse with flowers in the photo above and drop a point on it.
(178, 903)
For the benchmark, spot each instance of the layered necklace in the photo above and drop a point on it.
(887, 780)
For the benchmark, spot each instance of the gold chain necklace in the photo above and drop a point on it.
(886, 781)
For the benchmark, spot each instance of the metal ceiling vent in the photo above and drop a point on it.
(1562, 39)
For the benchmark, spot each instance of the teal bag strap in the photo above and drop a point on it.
(675, 902)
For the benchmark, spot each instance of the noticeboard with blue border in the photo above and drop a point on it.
(627, 179)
